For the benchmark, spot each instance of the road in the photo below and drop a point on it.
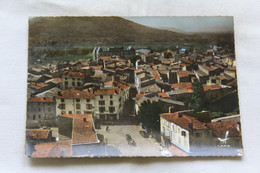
(116, 137)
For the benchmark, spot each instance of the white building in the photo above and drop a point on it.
(183, 131)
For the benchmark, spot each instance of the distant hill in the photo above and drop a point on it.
(44, 30)
(51, 30)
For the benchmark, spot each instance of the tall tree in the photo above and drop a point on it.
(149, 115)
(197, 98)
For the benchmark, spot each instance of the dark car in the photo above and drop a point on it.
(130, 141)
(144, 134)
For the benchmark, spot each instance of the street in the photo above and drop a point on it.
(116, 137)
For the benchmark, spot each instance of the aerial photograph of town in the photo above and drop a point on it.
(132, 87)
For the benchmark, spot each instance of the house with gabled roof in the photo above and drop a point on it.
(183, 131)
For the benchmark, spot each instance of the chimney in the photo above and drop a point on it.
(190, 125)
(179, 114)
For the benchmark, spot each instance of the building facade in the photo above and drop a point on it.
(103, 104)
(41, 111)
(73, 79)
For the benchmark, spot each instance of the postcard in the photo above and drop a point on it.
(132, 87)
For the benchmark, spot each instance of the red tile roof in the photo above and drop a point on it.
(107, 92)
(163, 95)
(139, 70)
(232, 68)
(40, 99)
(150, 63)
(52, 149)
(211, 87)
(188, 61)
(39, 85)
(83, 131)
(38, 133)
(183, 85)
(96, 67)
(139, 95)
(74, 93)
(182, 73)
(54, 80)
(219, 129)
(116, 84)
(74, 74)
(183, 121)
(156, 75)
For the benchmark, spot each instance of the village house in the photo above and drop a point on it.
(143, 79)
(41, 111)
(183, 131)
(35, 88)
(229, 129)
(73, 79)
(79, 128)
(183, 76)
(104, 104)
(215, 91)
(54, 82)
(37, 136)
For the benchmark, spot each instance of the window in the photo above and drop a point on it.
(70, 112)
(39, 116)
(66, 83)
(77, 106)
(34, 117)
(62, 100)
(48, 104)
(78, 112)
(61, 106)
(89, 106)
(183, 133)
(111, 96)
(101, 109)
(85, 119)
(111, 109)
(39, 109)
(88, 100)
(119, 99)
(197, 135)
(73, 83)
(78, 83)
(49, 109)
(111, 102)
(101, 102)
(167, 123)
(101, 97)
(77, 100)
(173, 127)
(66, 78)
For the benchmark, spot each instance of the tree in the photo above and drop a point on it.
(149, 115)
(197, 98)
(133, 59)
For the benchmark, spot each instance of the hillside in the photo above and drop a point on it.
(49, 30)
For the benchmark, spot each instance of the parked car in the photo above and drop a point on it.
(129, 139)
(144, 134)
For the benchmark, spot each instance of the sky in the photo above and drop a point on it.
(188, 24)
